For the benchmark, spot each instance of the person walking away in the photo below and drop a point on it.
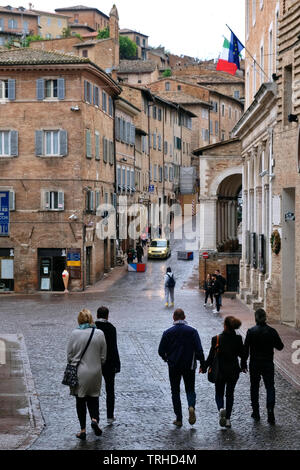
(222, 282)
(112, 364)
(217, 289)
(230, 348)
(208, 287)
(89, 370)
(130, 255)
(259, 344)
(180, 347)
(169, 287)
(139, 253)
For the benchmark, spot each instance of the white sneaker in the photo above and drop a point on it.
(111, 420)
(228, 423)
(222, 417)
(215, 310)
(204, 305)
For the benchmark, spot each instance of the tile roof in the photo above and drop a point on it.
(136, 66)
(35, 56)
(182, 98)
(18, 11)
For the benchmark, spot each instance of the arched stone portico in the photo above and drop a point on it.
(220, 171)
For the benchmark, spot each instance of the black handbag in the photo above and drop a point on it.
(213, 372)
(70, 375)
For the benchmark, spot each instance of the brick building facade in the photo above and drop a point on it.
(58, 164)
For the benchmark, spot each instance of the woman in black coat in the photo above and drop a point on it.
(229, 350)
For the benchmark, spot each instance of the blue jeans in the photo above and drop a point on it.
(188, 376)
(264, 369)
(169, 292)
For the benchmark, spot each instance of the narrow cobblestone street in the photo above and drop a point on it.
(143, 402)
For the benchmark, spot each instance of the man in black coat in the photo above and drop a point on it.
(260, 343)
(112, 364)
(180, 347)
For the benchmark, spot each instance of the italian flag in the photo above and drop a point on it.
(223, 64)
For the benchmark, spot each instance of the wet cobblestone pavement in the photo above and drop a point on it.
(143, 402)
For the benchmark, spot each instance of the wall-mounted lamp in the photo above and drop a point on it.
(123, 159)
(265, 173)
(275, 77)
(75, 108)
(292, 118)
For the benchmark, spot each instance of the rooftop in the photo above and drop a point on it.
(136, 66)
(82, 8)
(35, 56)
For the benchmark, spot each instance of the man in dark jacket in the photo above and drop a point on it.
(217, 287)
(260, 343)
(112, 364)
(180, 347)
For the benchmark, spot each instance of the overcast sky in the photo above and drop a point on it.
(191, 27)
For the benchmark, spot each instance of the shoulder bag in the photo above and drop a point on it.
(214, 370)
(70, 375)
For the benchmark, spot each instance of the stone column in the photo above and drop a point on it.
(208, 215)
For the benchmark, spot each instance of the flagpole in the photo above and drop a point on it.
(249, 53)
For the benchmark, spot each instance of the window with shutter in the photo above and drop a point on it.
(105, 150)
(11, 200)
(117, 127)
(11, 92)
(97, 194)
(46, 201)
(96, 96)
(40, 89)
(155, 173)
(97, 145)
(63, 142)
(150, 176)
(110, 106)
(51, 143)
(154, 141)
(39, 143)
(128, 131)
(119, 183)
(132, 184)
(61, 201)
(159, 142)
(88, 145)
(104, 101)
(123, 178)
(111, 153)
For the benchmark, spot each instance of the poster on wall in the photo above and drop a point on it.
(7, 269)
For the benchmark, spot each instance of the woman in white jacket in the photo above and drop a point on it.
(89, 370)
(169, 287)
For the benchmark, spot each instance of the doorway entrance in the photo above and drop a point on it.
(52, 262)
(232, 277)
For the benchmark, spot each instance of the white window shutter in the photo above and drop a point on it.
(61, 200)
(14, 143)
(46, 200)
(11, 200)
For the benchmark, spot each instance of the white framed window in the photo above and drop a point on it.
(223, 109)
(8, 143)
(12, 24)
(90, 201)
(51, 88)
(4, 143)
(97, 145)
(53, 200)
(7, 89)
(51, 143)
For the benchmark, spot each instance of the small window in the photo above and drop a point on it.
(236, 94)
(168, 86)
(90, 201)
(51, 88)
(12, 24)
(104, 101)
(85, 53)
(178, 87)
(53, 200)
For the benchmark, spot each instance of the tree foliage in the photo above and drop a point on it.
(167, 73)
(128, 48)
(104, 33)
